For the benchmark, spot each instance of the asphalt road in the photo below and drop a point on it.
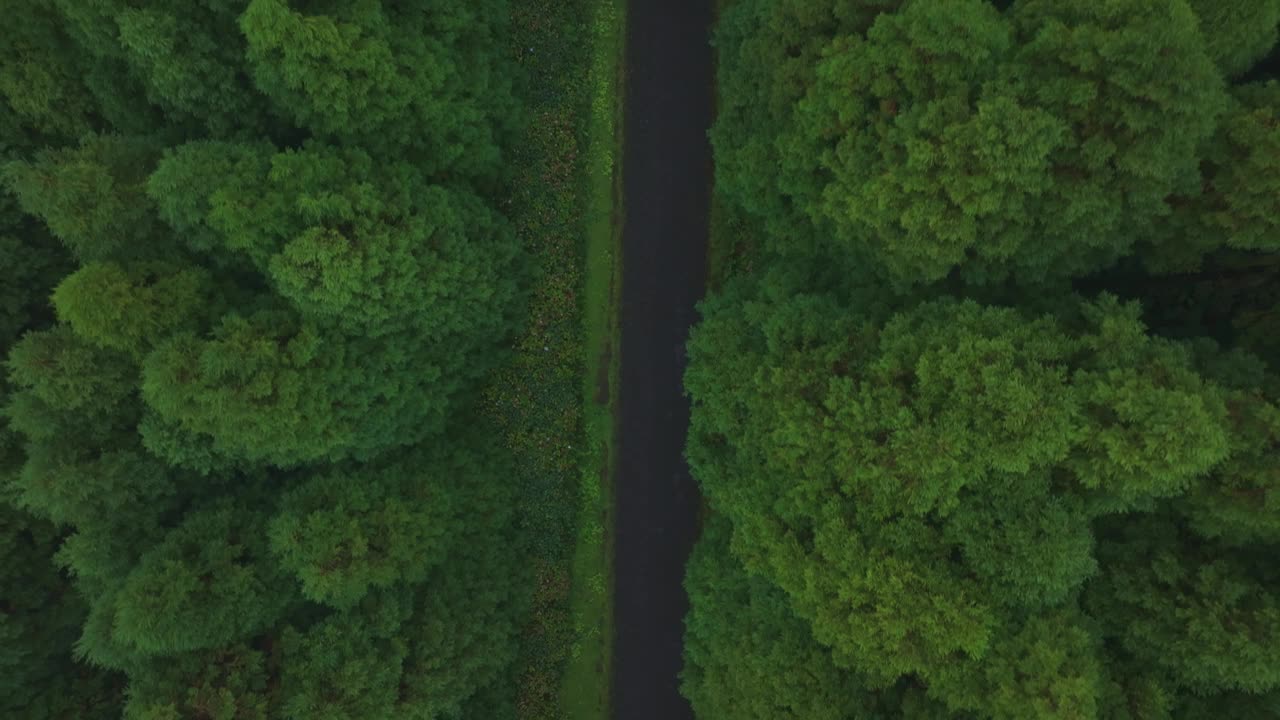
(666, 188)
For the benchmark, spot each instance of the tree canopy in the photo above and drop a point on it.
(868, 465)
(953, 136)
(259, 267)
(986, 420)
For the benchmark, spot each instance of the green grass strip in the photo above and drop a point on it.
(585, 689)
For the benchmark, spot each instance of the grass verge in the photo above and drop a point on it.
(585, 688)
(553, 399)
(732, 239)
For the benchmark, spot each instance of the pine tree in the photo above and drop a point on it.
(392, 78)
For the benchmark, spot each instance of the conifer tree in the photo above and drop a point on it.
(258, 269)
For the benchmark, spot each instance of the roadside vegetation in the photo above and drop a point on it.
(587, 679)
(554, 399)
(731, 240)
(986, 398)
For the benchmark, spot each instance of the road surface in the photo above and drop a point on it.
(666, 188)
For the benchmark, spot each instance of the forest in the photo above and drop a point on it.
(299, 381)
(986, 399)
(262, 263)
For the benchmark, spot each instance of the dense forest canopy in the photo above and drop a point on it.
(988, 421)
(256, 269)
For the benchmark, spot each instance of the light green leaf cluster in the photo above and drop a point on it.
(987, 424)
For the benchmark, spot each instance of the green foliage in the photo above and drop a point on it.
(368, 248)
(258, 272)
(946, 396)
(70, 485)
(480, 592)
(922, 153)
(1138, 100)
(950, 135)
(62, 382)
(1235, 204)
(389, 77)
(342, 669)
(1237, 503)
(1045, 667)
(91, 197)
(40, 83)
(189, 57)
(40, 617)
(768, 50)
(750, 657)
(40, 612)
(127, 309)
(1237, 34)
(1208, 618)
(31, 260)
(924, 487)
(229, 682)
(344, 533)
(561, 164)
(945, 462)
(1236, 704)
(207, 584)
(1243, 174)
(392, 295)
